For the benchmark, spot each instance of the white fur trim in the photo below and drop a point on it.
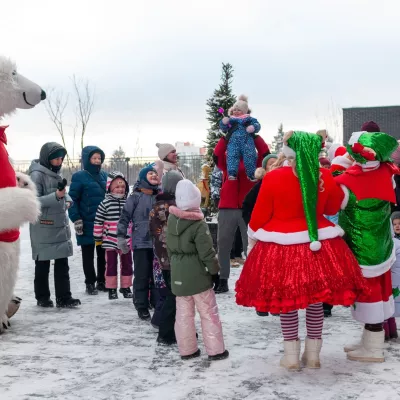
(372, 271)
(394, 184)
(288, 152)
(346, 197)
(332, 150)
(17, 206)
(343, 161)
(25, 182)
(355, 136)
(329, 232)
(250, 233)
(315, 246)
(9, 261)
(373, 313)
(369, 165)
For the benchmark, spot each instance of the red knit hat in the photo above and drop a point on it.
(325, 162)
(370, 126)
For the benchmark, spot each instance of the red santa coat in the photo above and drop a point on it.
(7, 179)
(233, 193)
(278, 215)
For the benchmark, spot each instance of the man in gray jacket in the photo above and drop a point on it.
(51, 235)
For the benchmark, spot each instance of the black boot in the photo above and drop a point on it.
(126, 292)
(262, 314)
(221, 356)
(101, 287)
(222, 287)
(112, 294)
(215, 279)
(144, 314)
(91, 289)
(190, 356)
(45, 303)
(68, 302)
(166, 342)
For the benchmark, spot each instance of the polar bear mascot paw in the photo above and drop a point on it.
(17, 205)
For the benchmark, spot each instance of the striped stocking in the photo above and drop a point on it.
(314, 320)
(290, 325)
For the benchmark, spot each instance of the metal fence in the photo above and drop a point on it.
(130, 166)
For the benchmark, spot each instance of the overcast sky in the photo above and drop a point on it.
(155, 63)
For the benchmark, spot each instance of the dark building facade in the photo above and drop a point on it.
(388, 119)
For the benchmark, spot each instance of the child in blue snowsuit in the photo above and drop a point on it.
(240, 129)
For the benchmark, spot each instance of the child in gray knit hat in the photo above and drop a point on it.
(165, 317)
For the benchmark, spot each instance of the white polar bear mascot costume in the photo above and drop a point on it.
(18, 203)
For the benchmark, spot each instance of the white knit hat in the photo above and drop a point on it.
(164, 149)
(187, 195)
(241, 104)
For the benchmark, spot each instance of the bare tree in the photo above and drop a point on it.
(333, 122)
(85, 96)
(55, 107)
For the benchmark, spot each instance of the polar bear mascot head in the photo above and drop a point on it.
(18, 202)
(16, 91)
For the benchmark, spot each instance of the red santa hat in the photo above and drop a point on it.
(335, 150)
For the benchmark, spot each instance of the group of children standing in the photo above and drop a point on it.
(160, 222)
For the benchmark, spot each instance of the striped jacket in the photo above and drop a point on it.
(108, 214)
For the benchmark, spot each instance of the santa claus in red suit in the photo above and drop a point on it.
(299, 259)
(232, 195)
(17, 204)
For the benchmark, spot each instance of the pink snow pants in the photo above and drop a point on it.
(185, 330)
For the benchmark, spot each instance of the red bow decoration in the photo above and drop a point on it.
(358, 148)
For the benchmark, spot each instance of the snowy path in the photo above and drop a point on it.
(103, 351)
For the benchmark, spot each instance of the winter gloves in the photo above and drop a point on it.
(225, 120)
(123, 245)
(78, 227)
(251, 244)
(250, 129)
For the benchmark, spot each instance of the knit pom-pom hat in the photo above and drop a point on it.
(241, 104)
(164, 149)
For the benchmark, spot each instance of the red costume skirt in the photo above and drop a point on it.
(280, 279)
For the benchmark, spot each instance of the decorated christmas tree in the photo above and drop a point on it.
(278, 140)
(222, 98)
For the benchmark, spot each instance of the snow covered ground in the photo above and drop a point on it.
(103, 351)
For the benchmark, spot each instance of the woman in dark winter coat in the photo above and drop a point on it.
(158, 229)
(137, 210)
(88, 189)
(51, 235)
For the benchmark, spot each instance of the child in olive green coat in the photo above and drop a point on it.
(193, 268)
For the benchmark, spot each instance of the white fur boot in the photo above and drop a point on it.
(355, 345)
(291, 359)
(371, 349)
(310, 356)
